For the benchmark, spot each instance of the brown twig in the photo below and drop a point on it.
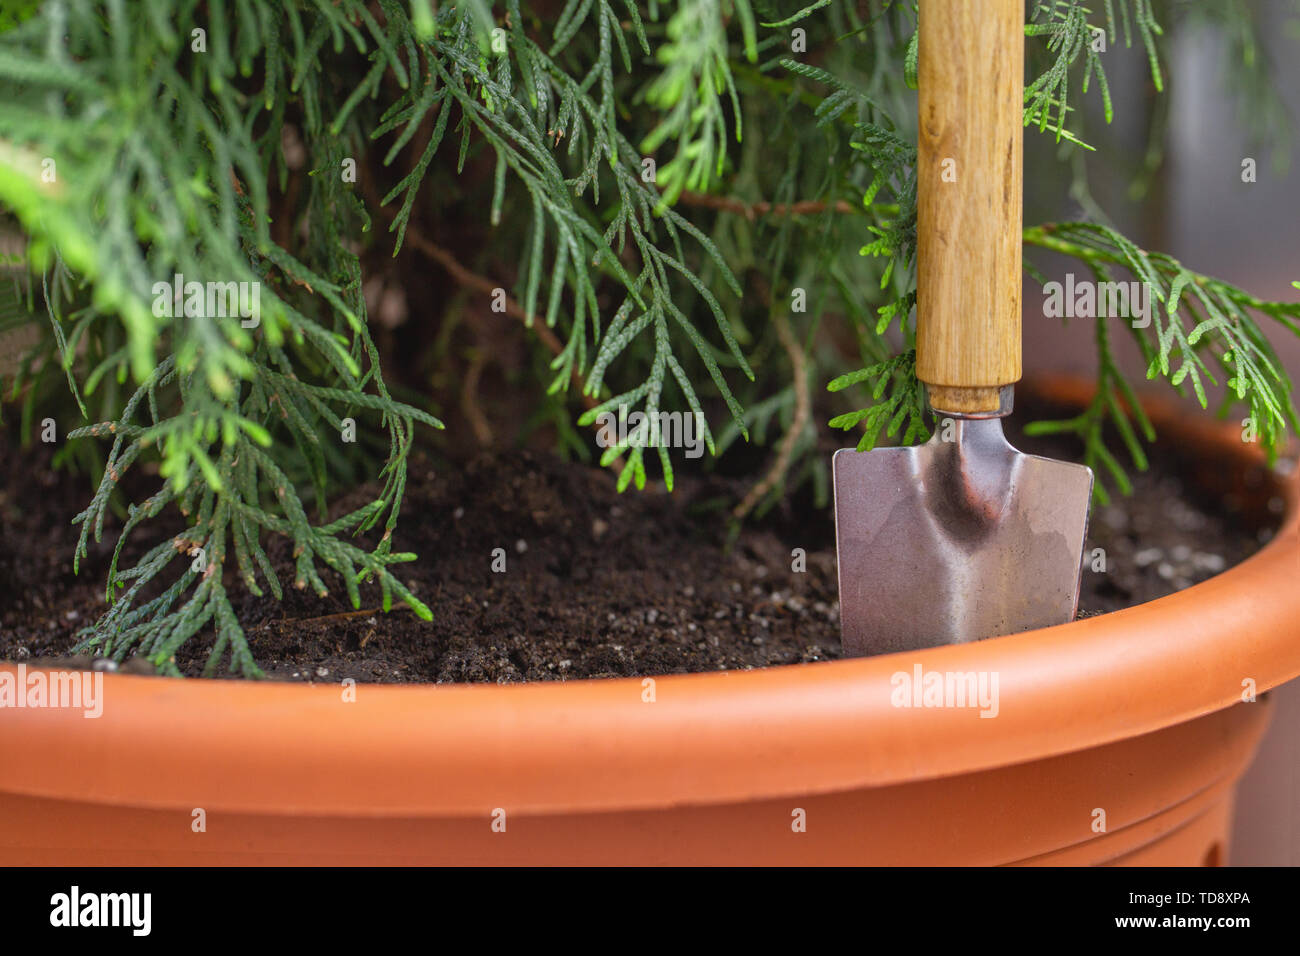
(802, 413)
(751, 211)
(469, 398)
(472, 280)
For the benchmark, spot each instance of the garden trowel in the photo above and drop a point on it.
(964, 537)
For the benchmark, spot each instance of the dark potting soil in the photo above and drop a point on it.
(596, 584)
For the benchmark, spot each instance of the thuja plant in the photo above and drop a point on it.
(691, 206)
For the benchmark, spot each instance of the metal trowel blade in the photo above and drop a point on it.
(955, 540)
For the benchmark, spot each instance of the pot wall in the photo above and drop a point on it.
(1137, 714)
(1167, 799)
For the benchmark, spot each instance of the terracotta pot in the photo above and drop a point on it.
(1138, 714)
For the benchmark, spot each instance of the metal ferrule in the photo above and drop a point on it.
(1006, 402)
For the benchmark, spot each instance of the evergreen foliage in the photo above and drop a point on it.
(145, 140)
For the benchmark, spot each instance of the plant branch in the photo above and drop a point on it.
(753, 210)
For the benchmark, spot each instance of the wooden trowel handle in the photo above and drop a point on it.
(969, 200)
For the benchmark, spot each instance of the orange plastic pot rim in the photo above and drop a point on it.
(455, 750)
